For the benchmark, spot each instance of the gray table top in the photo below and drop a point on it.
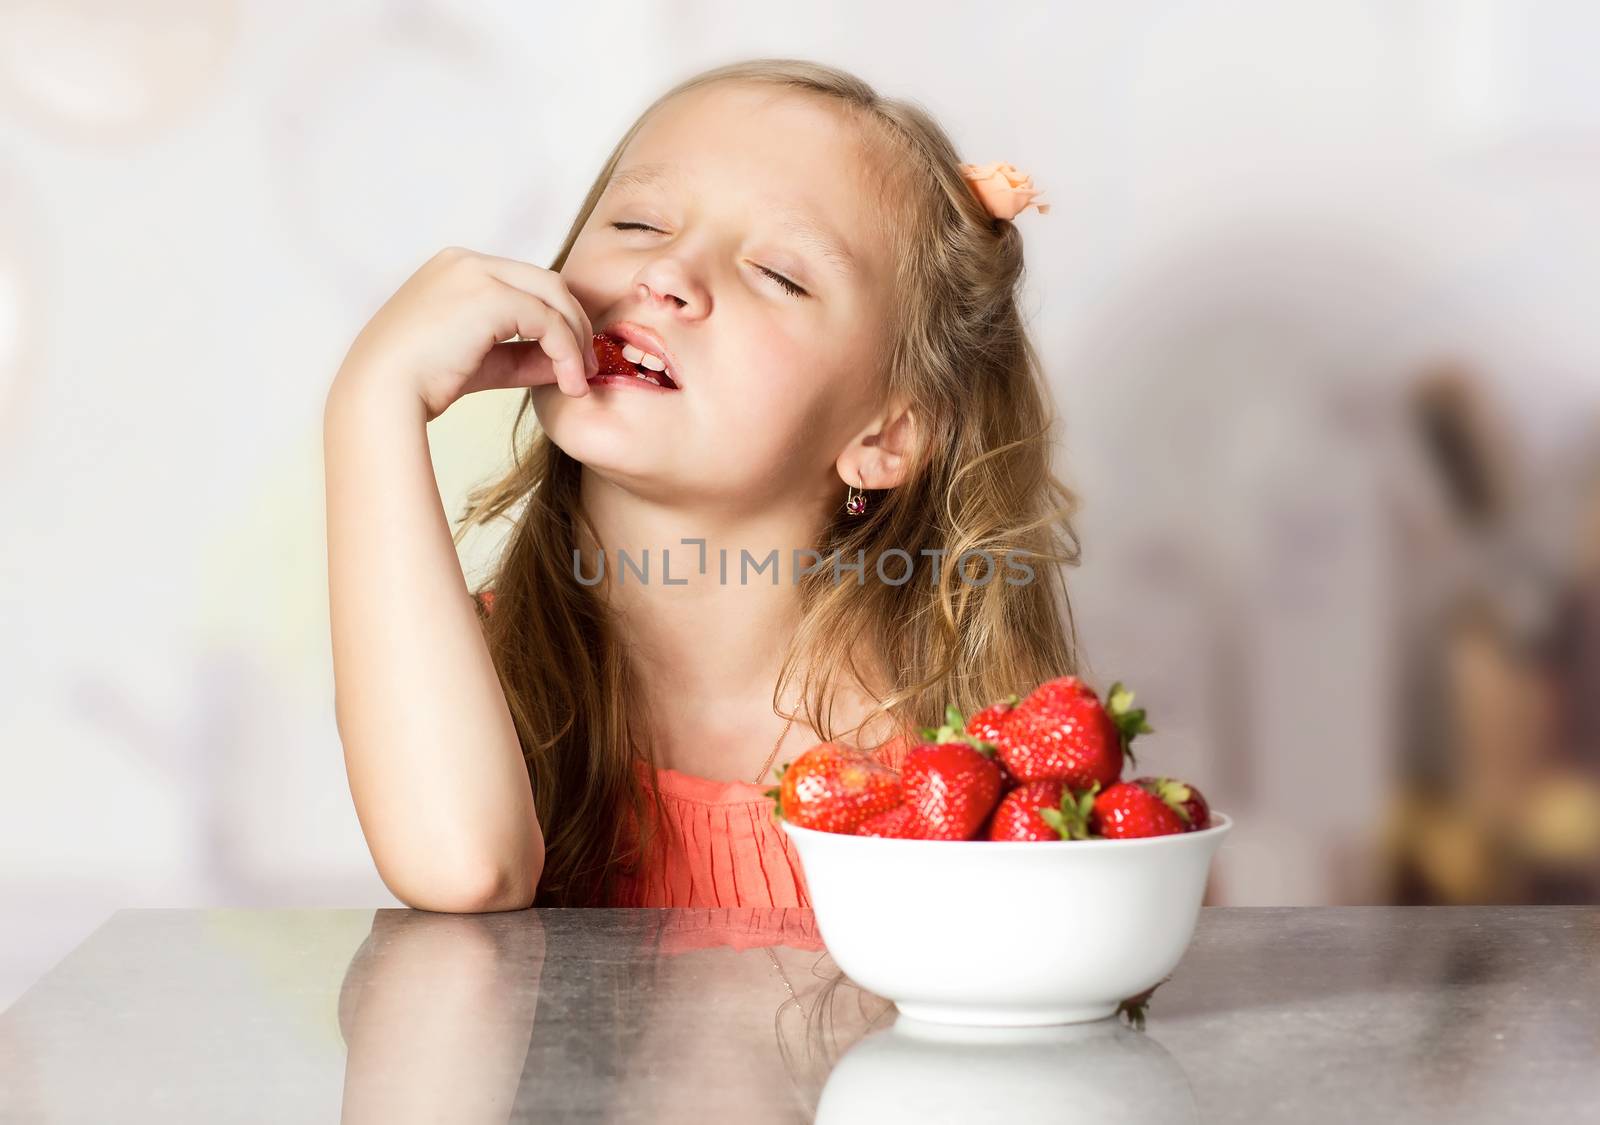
(1342, 1014)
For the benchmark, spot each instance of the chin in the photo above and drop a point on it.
(605, 442)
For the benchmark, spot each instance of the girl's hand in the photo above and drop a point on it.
(444, 332)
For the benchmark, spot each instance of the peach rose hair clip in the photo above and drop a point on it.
(1003, 190)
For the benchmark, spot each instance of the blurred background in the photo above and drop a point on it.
(1316, 294)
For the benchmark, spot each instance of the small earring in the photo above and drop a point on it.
(854, 502)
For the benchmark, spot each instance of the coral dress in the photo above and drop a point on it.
(723, 848)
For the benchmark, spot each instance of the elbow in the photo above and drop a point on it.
(507, 891)
(486, 891)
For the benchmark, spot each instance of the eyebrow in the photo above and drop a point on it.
(801, 227)
(643, 175)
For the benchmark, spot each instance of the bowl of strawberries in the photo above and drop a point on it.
(1007, 874)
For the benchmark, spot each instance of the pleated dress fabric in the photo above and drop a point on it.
(722, 848)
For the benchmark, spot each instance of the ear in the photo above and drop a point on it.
(880, 455)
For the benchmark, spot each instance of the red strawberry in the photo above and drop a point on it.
(1007, 782)
(899, 823)
(1061, 731)
(1181, 796)
(985, 725)
(608, 352)
(1128, 810)
(952, 782)
(1041, 810)
(833, 788)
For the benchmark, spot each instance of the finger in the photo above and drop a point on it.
(549, 287)
(536, 320)
(512, 364)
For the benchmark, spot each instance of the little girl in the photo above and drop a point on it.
(789, 482)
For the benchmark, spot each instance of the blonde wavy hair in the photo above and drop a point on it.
(979, 480)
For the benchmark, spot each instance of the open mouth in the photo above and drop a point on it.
(623, 360)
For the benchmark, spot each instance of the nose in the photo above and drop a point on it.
(666, 283)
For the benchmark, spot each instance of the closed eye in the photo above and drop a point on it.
(788, 286)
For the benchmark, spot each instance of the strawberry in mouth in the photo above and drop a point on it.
(615, 362)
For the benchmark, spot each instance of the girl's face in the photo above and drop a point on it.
(739, 229)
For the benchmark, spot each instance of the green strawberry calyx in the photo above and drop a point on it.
(955, 730)
(1173, 794)
(1134, 1008)
(1071, 818)
(776, 793)
(1129, 720)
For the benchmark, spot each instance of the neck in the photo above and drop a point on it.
(706, 647)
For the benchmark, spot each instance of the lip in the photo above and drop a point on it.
(628, 381)
(641, 337)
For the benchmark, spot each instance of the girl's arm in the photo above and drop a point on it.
(435, 766)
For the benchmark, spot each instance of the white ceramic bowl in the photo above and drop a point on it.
(1007, 934)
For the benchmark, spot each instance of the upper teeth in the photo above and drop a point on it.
(639, 355)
